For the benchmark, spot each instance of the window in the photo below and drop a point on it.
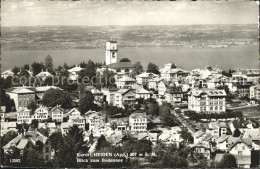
(47, 149)
(243, 147)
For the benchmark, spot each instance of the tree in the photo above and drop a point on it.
(86, 102)
(73, 143)
(37, 68)
(16, 70)
(152, 107)
(26, 67)
(48, 63)
(165, 114)
(186, 135)
(228, 161)
(7, 137)
(14, 153)
(152, 68)
(32, 106)
(53, 97)
(102, 142)
(33, 158)
(173, 66)
(56, 140)
(125, 60)
(138, 68)
(89, 71)
(142, 146)
(236, 133)
(35, 124)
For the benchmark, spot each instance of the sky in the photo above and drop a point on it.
(101, 13)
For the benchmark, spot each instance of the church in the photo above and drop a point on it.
(120, 68)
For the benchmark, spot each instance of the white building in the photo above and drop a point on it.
(144, 94)
(94, 119)
(255, 92)
(124, 96)
(7, 73)
(57, 113)
(24, 116)
(125, 82)
(207, 100)
(138, 122)
(73, 114)
(74, 72)
(144, 77)
(41, 113)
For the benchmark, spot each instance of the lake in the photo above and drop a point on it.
(187, 58)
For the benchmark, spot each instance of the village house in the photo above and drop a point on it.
(94, 119)
(80, 121)
(207, 100)
(171, 136)
(241, 149)
(41, 113)
(246, 75)
(57, 114)
(121, 125)
(153, 137)
(109, 94)
(73, 113)
(145, 77)
(7, 73)
(202, 149)
(21, 96)
(144, 94)
(65, 127)
(175, 95)
(98, 96)
(44, 75)
(124, 96)
(176, 73)
(217, 128)
(125, 82)
(8, 126)
(222, 142)
(50, 125)
(74, 72)
(29, 141)
(138, 122)
(254, 92)
(162, 86)
(243, 91)
(153, 83)
(24, 116)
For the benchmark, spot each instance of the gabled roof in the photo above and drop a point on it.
(75, 69)
(123, 91)
(66, 125)
(147, 75)
(19, 90)
(8, 72)
(126, 79)
(210, 92)
(143, 91)
(57, 108)
(44, 74)
(144, 135)
(222, 138)
(138, 115)
(73, 110)
(235, 140)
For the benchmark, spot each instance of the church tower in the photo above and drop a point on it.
(111, 52)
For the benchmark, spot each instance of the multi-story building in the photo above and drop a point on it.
(41, 114)
(144, 94)
(7, 73)
(143, 78)
(124, 96)
(31, 140)
(162, 86)
(255, 92)
(207, 100)
(125, 82)
(175, 95)
(94, 119)
(24, 116)
(21, 96)
(153, 83)
(44, 75)
(138, 122)
(74, 72)
(73, 114)
(57, 113)
(244, 90)
(246, 75)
